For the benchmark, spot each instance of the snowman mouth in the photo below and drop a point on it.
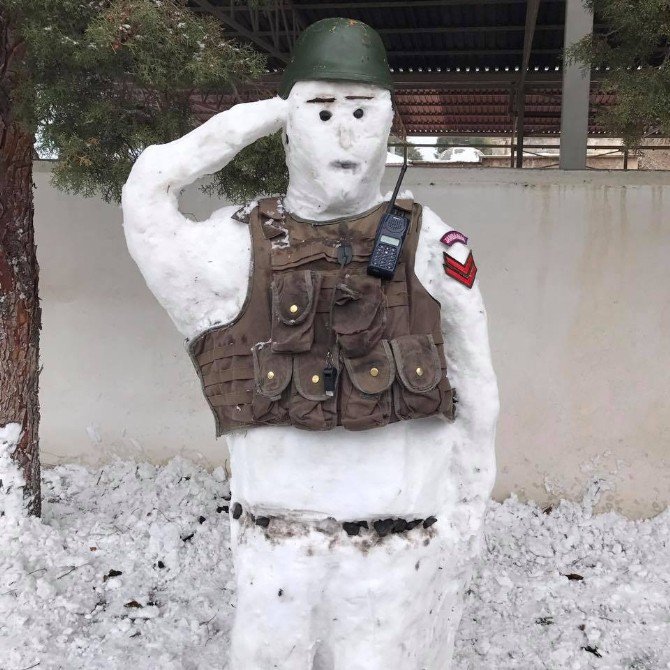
(344, 165)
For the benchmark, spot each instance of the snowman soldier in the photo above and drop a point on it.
(358, 492)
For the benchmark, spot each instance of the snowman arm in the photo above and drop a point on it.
(198, 271)
(464, 328)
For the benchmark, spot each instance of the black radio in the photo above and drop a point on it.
(388, 245)
(390, 236)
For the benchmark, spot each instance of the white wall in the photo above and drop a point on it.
(575, 271)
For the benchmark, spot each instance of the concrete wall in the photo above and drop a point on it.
(575, 271)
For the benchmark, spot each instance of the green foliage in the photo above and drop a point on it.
(260, 168)
(103, 80)
(635, 55)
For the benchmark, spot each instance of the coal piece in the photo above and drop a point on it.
(383, 526)
(237, 511)
(222, 508)
(399, 526)
(429, 522)
(262, 521)
(351, 528)
(414, 523)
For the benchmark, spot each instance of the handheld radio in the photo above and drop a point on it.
(390, 236)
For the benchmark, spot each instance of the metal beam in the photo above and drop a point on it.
(576, 89)
(532, 9)
(470, 114)
(467, 52)
(451, 80)
(453, 30)
(220, 13)
(363, 4)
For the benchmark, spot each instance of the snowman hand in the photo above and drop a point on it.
(251, 119)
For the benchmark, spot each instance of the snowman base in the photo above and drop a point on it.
(310, 596)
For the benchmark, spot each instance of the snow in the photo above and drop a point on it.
(319, 187)
(61, 607)
(12, 503)
(394, 159)
(461, 155)
(336, 610)
(198, 271)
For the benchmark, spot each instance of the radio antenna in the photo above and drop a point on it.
(397, 184)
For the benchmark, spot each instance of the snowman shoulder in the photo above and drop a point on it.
(443, 255)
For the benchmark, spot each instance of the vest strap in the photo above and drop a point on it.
(236, 349)
(233, 374)
(315, 250)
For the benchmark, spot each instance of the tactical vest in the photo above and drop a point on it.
(308, 295)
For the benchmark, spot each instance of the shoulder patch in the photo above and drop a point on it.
(464, 273)
(453, 236)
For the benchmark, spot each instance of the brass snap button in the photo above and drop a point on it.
(293, 308)
(315, 379)
(271, 375)
(374, 372)
(419, 371)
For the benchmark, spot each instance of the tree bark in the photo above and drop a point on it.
(20, 317)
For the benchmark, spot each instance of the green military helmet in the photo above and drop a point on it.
(338, 50)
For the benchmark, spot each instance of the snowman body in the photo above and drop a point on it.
(310, 593)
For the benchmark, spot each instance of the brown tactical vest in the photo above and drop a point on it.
(267, 365)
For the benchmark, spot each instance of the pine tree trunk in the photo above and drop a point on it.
(19, 302)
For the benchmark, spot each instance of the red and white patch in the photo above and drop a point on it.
(464, 273)
(452, 237)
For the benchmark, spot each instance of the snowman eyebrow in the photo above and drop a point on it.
(322, 100)
(359, 97)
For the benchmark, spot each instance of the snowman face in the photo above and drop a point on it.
(335, 142)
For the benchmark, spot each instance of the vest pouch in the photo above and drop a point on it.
(309, 406)
(420, 388)
(294, 297)
(359, 314)
(366, 388)
(272, 375)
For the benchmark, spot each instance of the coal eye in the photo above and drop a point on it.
(358, 113)
(324, 115)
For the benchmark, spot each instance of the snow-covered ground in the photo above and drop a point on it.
(130, 567)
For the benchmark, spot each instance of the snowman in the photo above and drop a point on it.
(341, 342)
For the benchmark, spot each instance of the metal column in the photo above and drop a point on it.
(576, 88)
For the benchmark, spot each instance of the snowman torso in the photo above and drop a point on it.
(320, 343)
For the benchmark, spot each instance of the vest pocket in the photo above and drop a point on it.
(272, 375)
(359, 314)
(366, 388)
(309, 406)
(294, 296)
(421, 389)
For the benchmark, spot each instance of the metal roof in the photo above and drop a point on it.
(458, 65)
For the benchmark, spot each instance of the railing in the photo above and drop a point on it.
(527, 149)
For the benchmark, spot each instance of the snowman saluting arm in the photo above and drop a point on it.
(198, 271)
(358, 485)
